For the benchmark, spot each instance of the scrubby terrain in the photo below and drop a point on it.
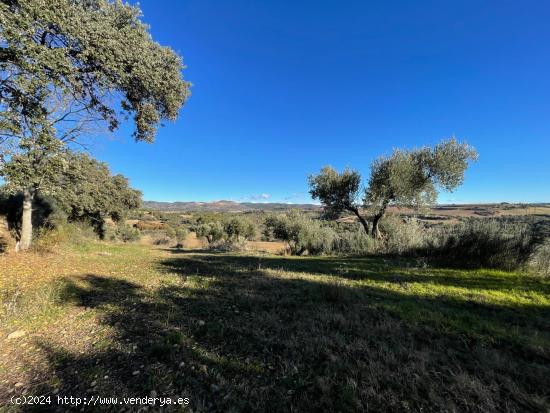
(258, 332)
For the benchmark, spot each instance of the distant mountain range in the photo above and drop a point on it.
(225, 206)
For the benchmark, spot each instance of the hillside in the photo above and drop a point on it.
(224, 206)
(438, 211)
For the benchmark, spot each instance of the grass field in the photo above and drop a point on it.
(251, 332)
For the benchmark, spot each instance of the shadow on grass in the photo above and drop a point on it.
(376, 268)
(231, 336)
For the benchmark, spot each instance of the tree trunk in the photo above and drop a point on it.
(375, 230)
(376, 220)
(26, 221)
(362, 220)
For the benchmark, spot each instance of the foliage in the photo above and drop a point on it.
(354, 241)
(67, 70)
(85, 191)
(301, 233)
(411, 178)
(88, 190)
(338, 192)
(212, 231)
(401, 236)
(56, 234)
(482, 243)
(73, 62)
(180, 234)
(126, 233)
(540, 260)
(239, 228)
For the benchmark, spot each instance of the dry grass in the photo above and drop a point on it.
(272, 247)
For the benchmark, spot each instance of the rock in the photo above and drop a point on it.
(153, 394)
(135, 373)
(16, 334)
(201, 322)
(18, 384)
(93, 383)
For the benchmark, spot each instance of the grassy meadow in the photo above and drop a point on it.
(258, 332)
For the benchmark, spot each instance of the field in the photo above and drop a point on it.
(259, 332)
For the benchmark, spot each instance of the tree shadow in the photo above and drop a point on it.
(373, 268)
(231, 336)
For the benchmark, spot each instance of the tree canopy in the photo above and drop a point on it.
(86, 189)
(77, 62)
(413, 177)
(405, 178)
(338, 192)
(72, 68)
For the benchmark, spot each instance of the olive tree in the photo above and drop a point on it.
(212, 231)
(69, 68)
(413, 178)
(405, 178)
(238, 228)
(338, 192)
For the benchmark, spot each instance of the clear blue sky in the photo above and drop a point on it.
(282, 88)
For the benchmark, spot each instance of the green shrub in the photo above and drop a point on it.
(50, 237)
(301, 233)
(126, 233)
(170, 232)
(487, 243)
(401, 236)
(540, 260)
(181, 234)
(239, 228)
(354, 241)
(212, 231)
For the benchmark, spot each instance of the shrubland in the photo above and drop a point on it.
(473, 243)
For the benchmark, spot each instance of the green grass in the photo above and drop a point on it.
(266, 333)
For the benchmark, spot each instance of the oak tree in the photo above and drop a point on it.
(69, 68)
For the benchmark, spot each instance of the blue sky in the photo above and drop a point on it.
(282, 88)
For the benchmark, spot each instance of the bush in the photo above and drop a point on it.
(180, 233)
(161, 241)
(126, 233)
(301, 233)
(354, 241)
(401, 236)
(540, 261)
(239, 228)
(477, 243)
(50, 237)
(212, 231)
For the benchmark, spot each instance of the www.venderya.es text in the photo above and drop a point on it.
(99, 401)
